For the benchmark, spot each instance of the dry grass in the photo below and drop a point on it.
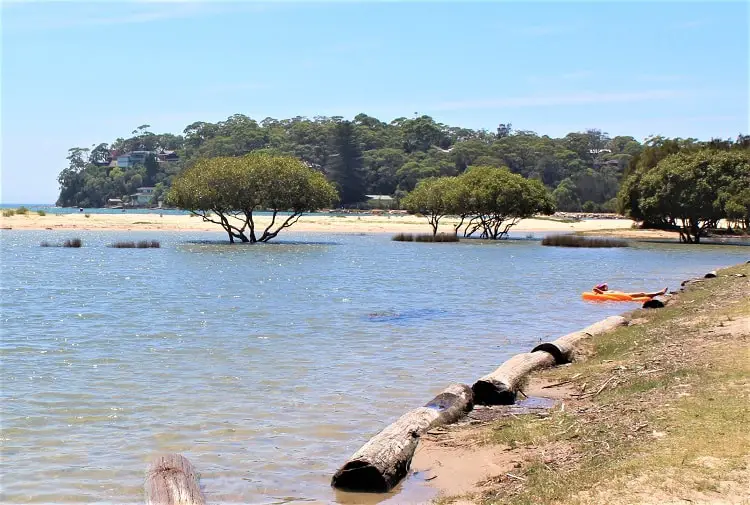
(425, 237)
(659, 414)
(566, 240)
(141, 244)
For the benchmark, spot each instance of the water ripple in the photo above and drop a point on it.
(265, 365)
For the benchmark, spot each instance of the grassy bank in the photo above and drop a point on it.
(657, 413)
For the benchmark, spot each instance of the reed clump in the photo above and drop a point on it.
(141, 244)
(9, 212)
(71, 242)
(22, 211)
(425, 237)
(403, 237)
(581, 241)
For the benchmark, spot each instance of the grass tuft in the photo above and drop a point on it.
(9, 212)
(579, 241)
(41, 213)
(22, 211)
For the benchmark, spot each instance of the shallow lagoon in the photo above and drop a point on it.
(267, 365)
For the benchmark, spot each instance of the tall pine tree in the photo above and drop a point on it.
(345, 163)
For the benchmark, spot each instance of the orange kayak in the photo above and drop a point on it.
(613, 296)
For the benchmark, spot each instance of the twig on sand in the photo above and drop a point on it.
(515, 477)
(567, 381)
(601, 388)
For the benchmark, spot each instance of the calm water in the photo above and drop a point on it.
(266, 365)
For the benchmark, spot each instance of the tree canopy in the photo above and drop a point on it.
(693, 191)
(488, 200)
(228, 191)
(360, 156)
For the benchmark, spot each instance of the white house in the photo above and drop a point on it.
(143, 197)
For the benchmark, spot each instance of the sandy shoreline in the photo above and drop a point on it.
(311, 223)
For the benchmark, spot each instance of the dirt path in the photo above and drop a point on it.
(659, 413)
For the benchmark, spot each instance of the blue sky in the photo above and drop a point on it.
(76, 74)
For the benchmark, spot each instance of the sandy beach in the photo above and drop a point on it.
(308, 223)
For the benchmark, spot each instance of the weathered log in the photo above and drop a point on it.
(653, 304)
(500, 387)
(172, 480)
(383, 461)
(605, 325)
(563, 348)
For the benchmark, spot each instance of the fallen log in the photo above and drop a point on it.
(383, 461)
(501, 386)
(563, 349)
(172, 480)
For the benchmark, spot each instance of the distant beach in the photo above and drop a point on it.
(353, 223)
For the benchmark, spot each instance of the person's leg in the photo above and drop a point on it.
(650, 295)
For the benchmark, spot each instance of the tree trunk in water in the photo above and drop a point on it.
(383, 461)
(171, 480)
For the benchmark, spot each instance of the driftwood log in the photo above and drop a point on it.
(383, 461)
(501, 386)
(172, 480)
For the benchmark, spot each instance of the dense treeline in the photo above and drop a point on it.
(362, 156)
(689, 186)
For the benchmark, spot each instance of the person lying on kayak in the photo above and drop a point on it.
(600, 289)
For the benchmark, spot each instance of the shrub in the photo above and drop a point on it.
(146, 244)
(579, 241)
(73, 242)
(403, 237)
(87, 215)
(41, 213)
(589, 206)
(142, 244)
(8, 212)
(22, 211)
(123, 245)
(425, 237)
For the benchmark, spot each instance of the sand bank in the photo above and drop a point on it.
(309, 223)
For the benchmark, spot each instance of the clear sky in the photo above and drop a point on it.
(76, 74)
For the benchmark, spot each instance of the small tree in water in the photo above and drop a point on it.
(228, 191)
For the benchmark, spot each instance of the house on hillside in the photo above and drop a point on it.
(132, 159)
(164, 156)
(380, 201)
(143, 197)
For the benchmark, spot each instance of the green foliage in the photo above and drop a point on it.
(9, 212)
(231, 189)
(434, 198)
(41, 213)
(362, 156)
(345, 165)
(22, 211)
(489, 200)
(693, 190)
